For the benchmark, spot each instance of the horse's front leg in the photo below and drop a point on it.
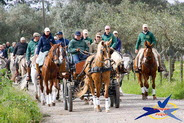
(106, 94)
(139, 77)
(146, 85)
(48, 96)
(42, 91)
(153, 87)
(97, 83)
(54, 82)
(58, 87)
(34, 80)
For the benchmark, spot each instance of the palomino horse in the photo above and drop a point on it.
(97, 73)
(50, 70)
(148, 68)
(121, 62)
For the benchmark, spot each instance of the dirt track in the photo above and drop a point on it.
(130, 108)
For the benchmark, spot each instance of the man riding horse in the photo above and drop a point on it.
(43, 49)
(30, 53)
(78, 48)
(19, 52)
(146, 35)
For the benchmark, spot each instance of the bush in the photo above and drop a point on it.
(15, 105)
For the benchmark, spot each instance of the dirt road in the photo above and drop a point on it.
(130, 108)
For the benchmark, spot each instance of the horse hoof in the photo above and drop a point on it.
(49, 105)
(107, 111)
(57, 98)
(53, 104)
(43, 103)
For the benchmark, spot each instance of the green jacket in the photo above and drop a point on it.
(11, 49)
(108, 38)
(88, 40)
(145, 37)
(31, 49)
(74, 44)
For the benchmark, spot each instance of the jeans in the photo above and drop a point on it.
(78, 57)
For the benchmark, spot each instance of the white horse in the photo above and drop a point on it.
(12, 67)
(121, 62)
(2, 63)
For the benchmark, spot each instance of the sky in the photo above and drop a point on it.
(172, 1)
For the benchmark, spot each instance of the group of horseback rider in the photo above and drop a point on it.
(78, 47)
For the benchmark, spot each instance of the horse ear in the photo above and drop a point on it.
(145, 43)
(51, 44)
(109, 42)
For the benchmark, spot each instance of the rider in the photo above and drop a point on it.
(43, 49)
(88, 40)
(107, 36)
(78, 47)
(118, 46)
(30, 52)
(11, 49)
(19, 52)
(2, 51)
(64, 42)
(94, 45)
(146, 35)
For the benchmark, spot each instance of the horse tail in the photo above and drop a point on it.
(83, 91)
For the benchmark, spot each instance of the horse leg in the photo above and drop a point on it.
(98, 87)
(42, 94)
(106, 95)
(55, 83)
(153, 88)
(139, 76)
(146, 86)
(58, 87)
(34, 79)
(48, 98)
(90, 81)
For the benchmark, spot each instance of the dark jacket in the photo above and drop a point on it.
(20, 49)
(44, 43)
(62, 41)
(118, 46)
(4, 53)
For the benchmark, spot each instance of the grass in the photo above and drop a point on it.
(16, 106)
(164, 89)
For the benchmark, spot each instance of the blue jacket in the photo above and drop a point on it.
(118, 46)
(62, 41)
(4, 53)
(44, 43)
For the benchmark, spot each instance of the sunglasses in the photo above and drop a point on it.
(98, 36)
(107, 29)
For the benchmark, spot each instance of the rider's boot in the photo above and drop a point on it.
(28, 74)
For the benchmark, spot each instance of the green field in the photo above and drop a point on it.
(164, 89)
(16, 106)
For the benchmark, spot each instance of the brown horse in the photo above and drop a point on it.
(50, 70)
(148, 69)
(96, 74)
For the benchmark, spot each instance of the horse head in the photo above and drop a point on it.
(55, 53)
(148, 54)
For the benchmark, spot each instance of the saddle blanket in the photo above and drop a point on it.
(41, 58)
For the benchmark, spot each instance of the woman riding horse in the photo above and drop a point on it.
(43, 46)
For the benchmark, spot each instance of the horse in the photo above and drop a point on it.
(148, 69)
(50, 70)
(97, 72)
(2, 63)
(121, 61)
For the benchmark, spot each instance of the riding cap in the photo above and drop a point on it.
(145, 25)
(85, 31)
(59, 33)
(77, 33)
(115, 32)
(22, 38)
(47, 29)
(36, 34)
(98, 34)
